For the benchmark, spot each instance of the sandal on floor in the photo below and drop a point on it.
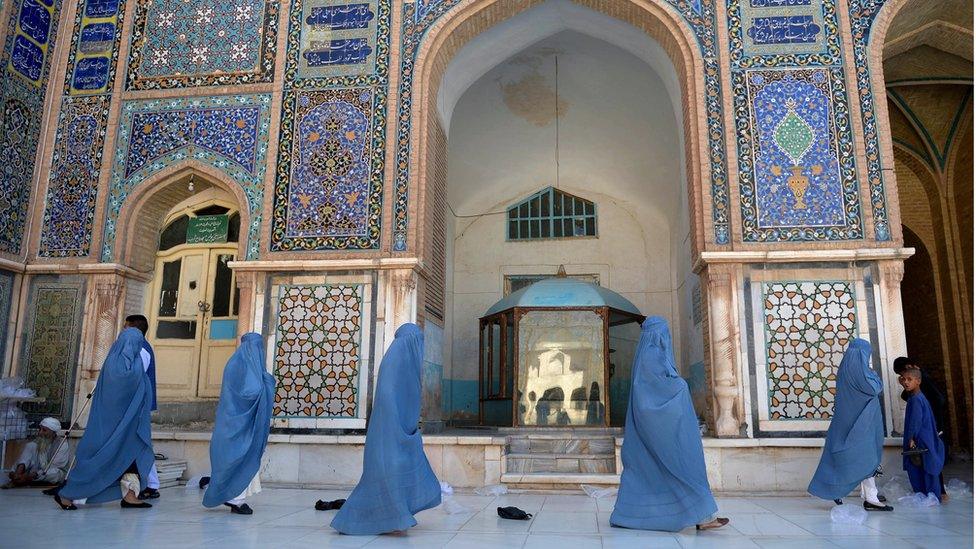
(242, 509)
(140, 505)
(717, 523)
(65, 507)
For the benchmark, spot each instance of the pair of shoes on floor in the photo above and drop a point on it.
(241, 509)
(321, 505)
(873, 507)
(140, 505)
(149, 493)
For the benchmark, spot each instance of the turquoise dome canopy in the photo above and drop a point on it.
(564, 292)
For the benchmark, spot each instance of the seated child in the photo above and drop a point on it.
(920, 432)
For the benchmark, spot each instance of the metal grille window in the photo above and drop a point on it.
(551, 213)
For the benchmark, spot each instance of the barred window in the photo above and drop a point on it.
(551, 213)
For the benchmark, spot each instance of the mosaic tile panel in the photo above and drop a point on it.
(787, 33)
(51, 346)
(863, 13)
(227, 132)
(341, 42)
(318, 351)
(329, 183)
(796, 154)
(418, 17)
(26, 64)
(808, 326)
(94, 53)
(178, 43)
(6, 299)
(69, 210)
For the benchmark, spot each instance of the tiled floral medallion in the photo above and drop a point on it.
(337, 42)
(227, 132)
(795, 145)
(69, 210)
(178, 44)
(51, 339)
(94, 53)
(318, 350)
(330, 171)
(803, 183)
(862, 14)
(418, 17)
(31, 33)
(808, 326)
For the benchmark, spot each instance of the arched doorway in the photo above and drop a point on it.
(182, 228)
(194, 302)
(927, 54)
(495, 112)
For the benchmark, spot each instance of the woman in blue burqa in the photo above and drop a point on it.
(241, 427)
(664, 485)
(397, 480)
(852, 449)
(115, 453)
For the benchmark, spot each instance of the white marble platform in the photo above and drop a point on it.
(284, 518)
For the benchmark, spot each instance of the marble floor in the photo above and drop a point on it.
(284, 518)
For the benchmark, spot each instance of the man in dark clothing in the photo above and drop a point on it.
(933, 395)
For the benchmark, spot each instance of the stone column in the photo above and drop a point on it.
(245, 308)
(892, 325)
(724, 349)
(103, 322)
(400, 306)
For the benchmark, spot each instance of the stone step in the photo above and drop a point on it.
(560, 463)
(557, 481)
(537, 444)
(170, 472)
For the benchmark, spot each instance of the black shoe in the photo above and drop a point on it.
(140, 505)
(204, 481)
(53, 491)
(149, 493)
(329, 505)
(839, 501)
(70, 506)
(873, 507)
(241, 509)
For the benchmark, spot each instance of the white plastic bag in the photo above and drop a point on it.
(956, 488)
(848, 514)
(597, 493)
(919, 500)
(492, 490)
(450, 506)
(897, 488)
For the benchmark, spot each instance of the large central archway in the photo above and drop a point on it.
(466, 46)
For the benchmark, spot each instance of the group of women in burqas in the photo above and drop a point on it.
(663, 486)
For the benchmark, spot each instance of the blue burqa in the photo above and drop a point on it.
(852, 450)
(664, 485)
(397, 480)
(242, 424)
(920, 426)
(118, 432)
(151, 372)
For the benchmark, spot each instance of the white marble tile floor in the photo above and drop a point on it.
(284, 518)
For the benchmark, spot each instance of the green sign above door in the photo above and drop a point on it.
(207, 229)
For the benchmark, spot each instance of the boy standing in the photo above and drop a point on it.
(921, 433)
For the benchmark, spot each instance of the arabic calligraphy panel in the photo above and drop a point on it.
(779, 27)
(334, 38)
(94, 51)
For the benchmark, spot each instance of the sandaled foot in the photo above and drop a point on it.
(241, 509)
(149, 493)
(944, 498)
(717, 523)
(873, 507)
(70, 506)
